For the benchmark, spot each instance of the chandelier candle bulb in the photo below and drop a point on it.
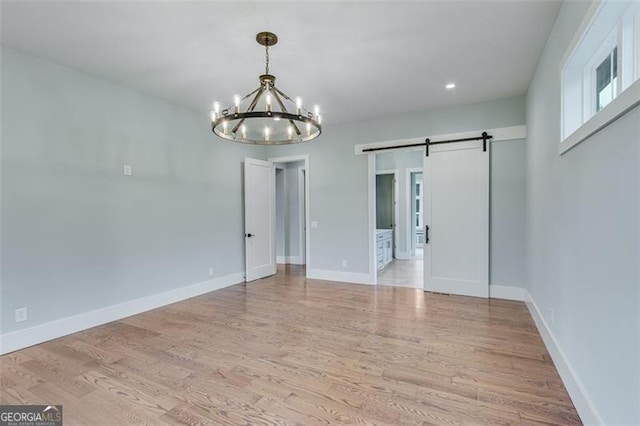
(243, 129)
(236, 102)
(216, 107)
(224, 126)
(316, 111)
(319, 119)
(299, 105)
(308, 129)
(213, 116)
(268, 102)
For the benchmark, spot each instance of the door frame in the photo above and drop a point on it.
(307, 234)
(302, 211)
(276, 167)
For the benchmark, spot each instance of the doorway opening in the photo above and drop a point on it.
(398, 218)
(291, 233)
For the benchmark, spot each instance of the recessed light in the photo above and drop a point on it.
(450, 86)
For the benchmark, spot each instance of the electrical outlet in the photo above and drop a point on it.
(344, 263)
(551, 316)
(21, 314)
(127, 170)
(211, 271)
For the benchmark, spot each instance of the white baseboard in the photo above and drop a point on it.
(506, 292)
(579, 396)
(20, 339)
(345, 277)
(289, 260)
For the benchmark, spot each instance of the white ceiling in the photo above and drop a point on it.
(357, 60)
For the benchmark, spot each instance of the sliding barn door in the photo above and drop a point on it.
(456, 255)
(259, 218)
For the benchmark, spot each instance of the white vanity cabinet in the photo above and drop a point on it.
(384, 247)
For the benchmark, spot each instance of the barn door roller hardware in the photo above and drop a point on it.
(427, 142)
(483, 138)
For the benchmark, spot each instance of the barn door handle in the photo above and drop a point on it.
(426, 234)
(249, 235)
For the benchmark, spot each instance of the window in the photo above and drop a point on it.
(599, 67)
(606, 80)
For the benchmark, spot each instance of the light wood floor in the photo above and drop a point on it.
(403, 273)
(288, 351)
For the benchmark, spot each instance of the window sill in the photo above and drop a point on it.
(622, 104)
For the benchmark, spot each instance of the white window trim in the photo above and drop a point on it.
(625, 101)
(622, 104)
(637, 36)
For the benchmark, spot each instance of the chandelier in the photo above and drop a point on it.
(266, 116)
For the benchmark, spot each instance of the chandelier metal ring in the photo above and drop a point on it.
(233, 118)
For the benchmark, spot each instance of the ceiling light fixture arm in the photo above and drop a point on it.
(284, 109)
(252, 106)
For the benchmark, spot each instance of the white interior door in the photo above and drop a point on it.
(259, 218)
(456, 212)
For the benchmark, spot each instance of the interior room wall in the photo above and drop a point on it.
(288, 210)
(338, 177)
(507, 255)
(583, 232)
(78, 235)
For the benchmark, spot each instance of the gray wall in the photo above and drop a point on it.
(583, 228)
(508, 213)
(77, 235)
(338, 178)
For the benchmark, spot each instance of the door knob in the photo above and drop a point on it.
(249, 235)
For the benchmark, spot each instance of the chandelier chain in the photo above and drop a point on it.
(266, 49)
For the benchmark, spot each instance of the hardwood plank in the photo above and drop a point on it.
(286, 350)
(51, 373)
(159, 404)
(16, 375)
